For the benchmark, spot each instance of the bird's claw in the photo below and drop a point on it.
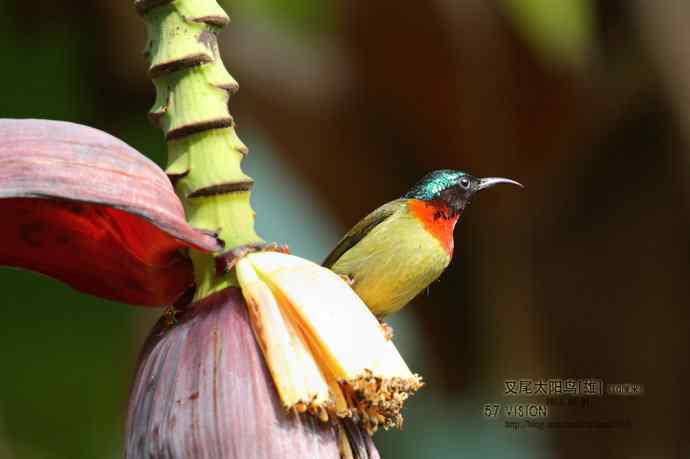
(387, 331)
(350, 281)
(227, 260)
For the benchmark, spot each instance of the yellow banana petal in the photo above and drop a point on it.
(332, 313)
(343, 335)
(297, 377)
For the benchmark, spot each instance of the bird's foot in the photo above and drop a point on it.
(227, 260)
(350, 281)
(387, 330)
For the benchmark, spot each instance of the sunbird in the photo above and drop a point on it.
(400, 248)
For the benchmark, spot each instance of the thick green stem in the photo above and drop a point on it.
(204, 153)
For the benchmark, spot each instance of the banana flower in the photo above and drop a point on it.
(289, 364)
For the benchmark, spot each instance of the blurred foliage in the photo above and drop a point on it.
(53, 56)
(561, 31)
(65, 378)
(297, 16)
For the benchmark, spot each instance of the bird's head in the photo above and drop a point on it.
(453, 188)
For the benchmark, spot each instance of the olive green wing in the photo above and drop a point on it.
(361, 229)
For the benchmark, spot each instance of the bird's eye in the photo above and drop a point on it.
(465, 183)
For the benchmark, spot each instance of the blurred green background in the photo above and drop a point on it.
(344, 104)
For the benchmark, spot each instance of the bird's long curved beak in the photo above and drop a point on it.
(488, 182)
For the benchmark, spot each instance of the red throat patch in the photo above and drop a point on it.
(437, 220)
